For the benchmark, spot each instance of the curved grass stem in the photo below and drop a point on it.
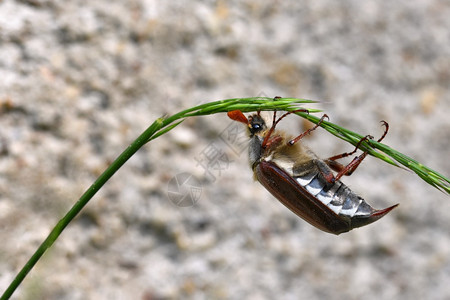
(165, 124)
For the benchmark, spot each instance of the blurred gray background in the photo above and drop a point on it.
(80, 80)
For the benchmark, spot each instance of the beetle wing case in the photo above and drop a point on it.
(308, 207)
(282, 186)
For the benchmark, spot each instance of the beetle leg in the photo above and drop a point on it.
(291, 112)
(295, 140)
(336, 166)
(386, 129)
(273, 142)
(345, 154)
(333, 158)
(325, 171)
(269, 133)
(351, 167)
(275, 122)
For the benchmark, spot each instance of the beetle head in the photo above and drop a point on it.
(255, 122)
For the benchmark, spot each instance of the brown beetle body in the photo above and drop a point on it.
(304, 183)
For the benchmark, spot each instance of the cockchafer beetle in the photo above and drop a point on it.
(304, 183)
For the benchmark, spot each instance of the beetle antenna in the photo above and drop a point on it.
(237, 115)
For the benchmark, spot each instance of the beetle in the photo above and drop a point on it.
(302, 181)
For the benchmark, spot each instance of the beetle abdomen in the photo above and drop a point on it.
(330, 207)
(340, 199)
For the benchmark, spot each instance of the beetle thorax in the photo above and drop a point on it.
(278, 151)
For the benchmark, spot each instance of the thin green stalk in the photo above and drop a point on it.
(165, 124)
(386, 153)
(158, 128)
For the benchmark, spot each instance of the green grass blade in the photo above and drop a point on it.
(386, 154)
(165, 124)
(158, 128)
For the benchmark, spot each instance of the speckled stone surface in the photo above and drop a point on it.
(80, 80)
